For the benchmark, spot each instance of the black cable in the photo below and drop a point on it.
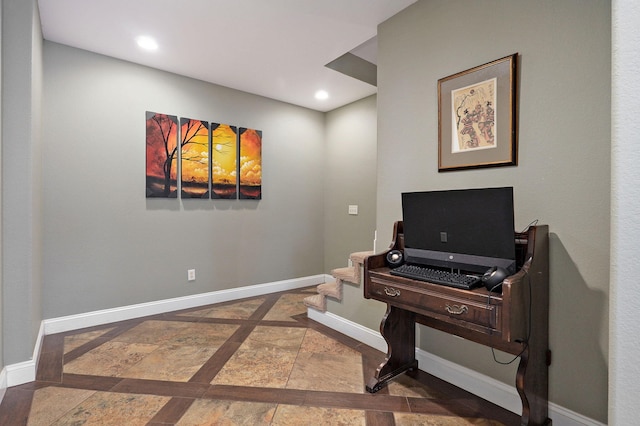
(532, 223)
(526, 342)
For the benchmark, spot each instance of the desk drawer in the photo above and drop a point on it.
(438, 302)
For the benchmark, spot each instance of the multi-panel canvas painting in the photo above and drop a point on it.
(162, 155)
(214, 160)
(250, 164)
(194, 147)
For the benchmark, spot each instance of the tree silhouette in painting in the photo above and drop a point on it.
(162, 143)
(194, 151)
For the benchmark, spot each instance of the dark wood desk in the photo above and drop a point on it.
(516, 321)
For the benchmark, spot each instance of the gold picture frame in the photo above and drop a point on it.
(477, 117)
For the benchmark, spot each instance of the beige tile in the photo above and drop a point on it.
(406, 386)
(51, 403)
(109, 359)
(106, 409)
(153, 332)
(287, 306)
(77, 340)
(202, 334)
(212, 412)
(240, 310)
(319, 343)
(283, 338)
(294, 415)
(327, 365)
(264, 359)
(259, 368)
(327, 372)
(174, 363)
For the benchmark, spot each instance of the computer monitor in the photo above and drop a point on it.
(468, 230)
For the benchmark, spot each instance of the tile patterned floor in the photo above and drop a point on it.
(257, 361)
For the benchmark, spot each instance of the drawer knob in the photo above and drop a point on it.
(391, 292)
(457, 309)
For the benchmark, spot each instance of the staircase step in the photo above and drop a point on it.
(349, 273)
(334, 289)
(331, 289)
(359, 256)
(317, 302)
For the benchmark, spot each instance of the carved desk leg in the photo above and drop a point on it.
(398, 327)
(531, 383)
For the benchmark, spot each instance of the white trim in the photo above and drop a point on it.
(349, 328)
(481, 385)
(20, 373)
(470, 380)
(106, 316)
(24, 372)
(3, 383)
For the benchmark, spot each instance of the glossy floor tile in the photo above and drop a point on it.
(257, 361)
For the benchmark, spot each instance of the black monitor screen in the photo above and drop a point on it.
(469, 229)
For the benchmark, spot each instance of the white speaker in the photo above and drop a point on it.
(395, 258)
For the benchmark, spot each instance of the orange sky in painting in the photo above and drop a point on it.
(224, 154)
(156, 154)
(195, 154)
(251, 157)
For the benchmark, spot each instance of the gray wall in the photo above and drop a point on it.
(350, 180)
(21, 179)
(563, 176)
(106, 245)
(350, 158)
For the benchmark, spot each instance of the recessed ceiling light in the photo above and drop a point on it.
(147, 43)
(322, 95)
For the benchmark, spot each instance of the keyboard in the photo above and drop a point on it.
(450, 279)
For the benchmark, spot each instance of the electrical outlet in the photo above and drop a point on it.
(191, 274)
(353, 209)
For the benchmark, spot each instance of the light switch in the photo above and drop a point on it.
(353, 209)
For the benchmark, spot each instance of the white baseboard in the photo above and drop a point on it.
(20, 372)
(349, 328)
(24, 372)
(3, 383)
(481, 385)
(106, 316)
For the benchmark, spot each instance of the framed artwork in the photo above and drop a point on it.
(224, 161)
(477, 117)
(250, 164)
(194, 158)
(162, 155)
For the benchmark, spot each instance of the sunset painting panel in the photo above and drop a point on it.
(250, 164)
(194, 151)
(224, 161)
(162, 155)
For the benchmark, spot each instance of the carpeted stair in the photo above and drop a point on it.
(333, 289)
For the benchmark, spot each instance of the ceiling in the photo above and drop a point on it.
(272, 48)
